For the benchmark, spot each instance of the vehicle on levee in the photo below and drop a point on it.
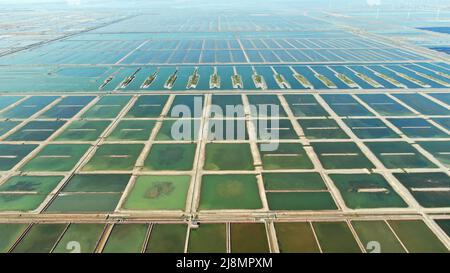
(171, 80)
(193, 80)
(129, 79)
(281, 81)
(150, 80)
(303, 81)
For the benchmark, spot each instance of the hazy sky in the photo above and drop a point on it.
(18, 2)
(307, 3)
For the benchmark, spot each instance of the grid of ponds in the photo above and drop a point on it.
(394, 236)
(115, 124)
(137, 153)
(202, 47)
(185, 77)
